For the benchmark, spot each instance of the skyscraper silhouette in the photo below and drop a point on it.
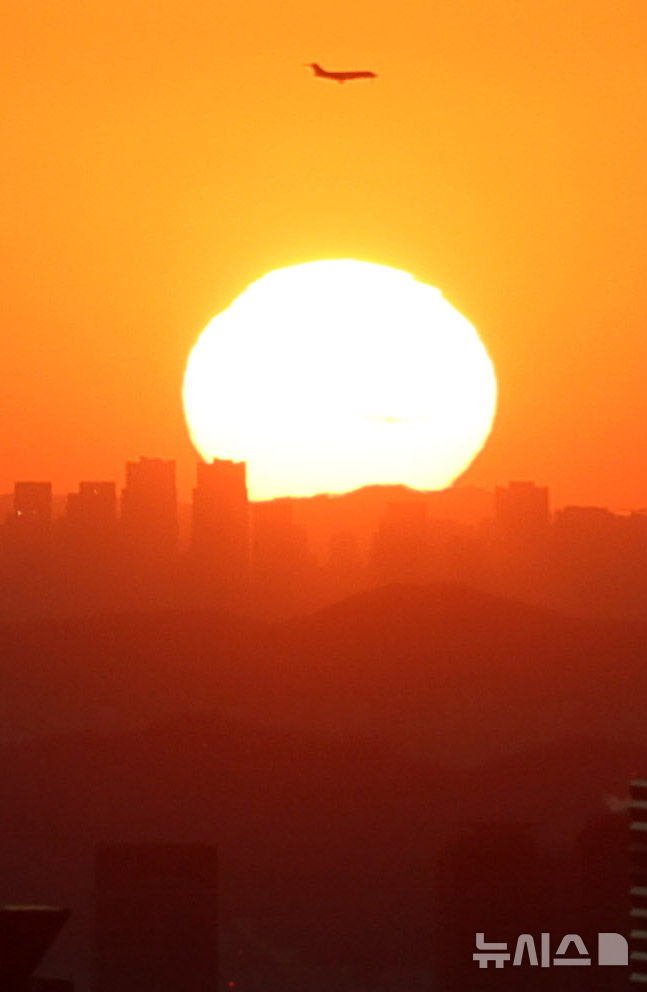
(638, 881)
(26, 933)
(156, 918)
(27, 550)
(149, 530)
(29, 524)
(87, 548)
(220, 530)
(91, 516)
(522, 513)
(401, 548)
(149, 507)
(281, 560)
(520, 549)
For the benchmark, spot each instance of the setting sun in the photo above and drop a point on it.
(336, 374)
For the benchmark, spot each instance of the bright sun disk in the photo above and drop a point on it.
(337, 374)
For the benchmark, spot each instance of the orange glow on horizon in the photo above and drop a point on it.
(159, 157)
(332, 375)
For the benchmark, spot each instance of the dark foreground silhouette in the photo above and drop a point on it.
(383, 780)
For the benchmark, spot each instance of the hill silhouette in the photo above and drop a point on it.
(440, 671)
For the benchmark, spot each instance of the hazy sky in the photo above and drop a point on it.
(158, 156)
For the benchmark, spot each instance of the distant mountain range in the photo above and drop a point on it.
(441, 672)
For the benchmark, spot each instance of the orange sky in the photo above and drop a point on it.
(158, 156)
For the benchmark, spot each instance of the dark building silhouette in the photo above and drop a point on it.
(519, 540)
(149, 508)
(27, 565)
(88, 530)
(282, 565)
(401, 549)
(594, 563)
(220, 530)
(221, 551)
(149, 504)
(149, 535)
(87, 548)
(92, 512)
(413, 546)
(26, 933)
(494, 879)
(603, 870)
(638, 882)
(28, 526)
(156, 918)
(33, 502)
(521, 513)
(587, 533)
(344, 571)
(600, 880)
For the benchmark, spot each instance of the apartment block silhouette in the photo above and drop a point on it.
(156, 918)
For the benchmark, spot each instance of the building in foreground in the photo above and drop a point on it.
(156, 918)
(638, 890)
(26, 933)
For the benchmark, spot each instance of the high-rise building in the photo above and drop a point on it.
(597, 568)
(638, 882)
(492, 878)
(33, 502)
(520, 550)
(156, 918)
(28, 526)
(282, 564)
(88, 551)
(401, 547)
(522, 512)
(279, 545)
(149, 508)
(220, 527)
(583, 526)
(26, 933)
(91, 515)
(95, 504)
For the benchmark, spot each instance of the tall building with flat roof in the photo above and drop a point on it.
(91, 516)
(29, 525)
(220, 528)
(156, 918)
(522, 511)
(401, 545)
(149, 508)
(638, 882)
(95, 504)
(520, 551)
(26, 933)
(88, 551)
(33, 501)
(282, 564)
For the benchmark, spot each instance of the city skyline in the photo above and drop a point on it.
(499, 156)
(358, 730)
(184, 494)
(144, 550)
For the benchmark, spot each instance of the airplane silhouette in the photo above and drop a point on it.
(340, 77)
